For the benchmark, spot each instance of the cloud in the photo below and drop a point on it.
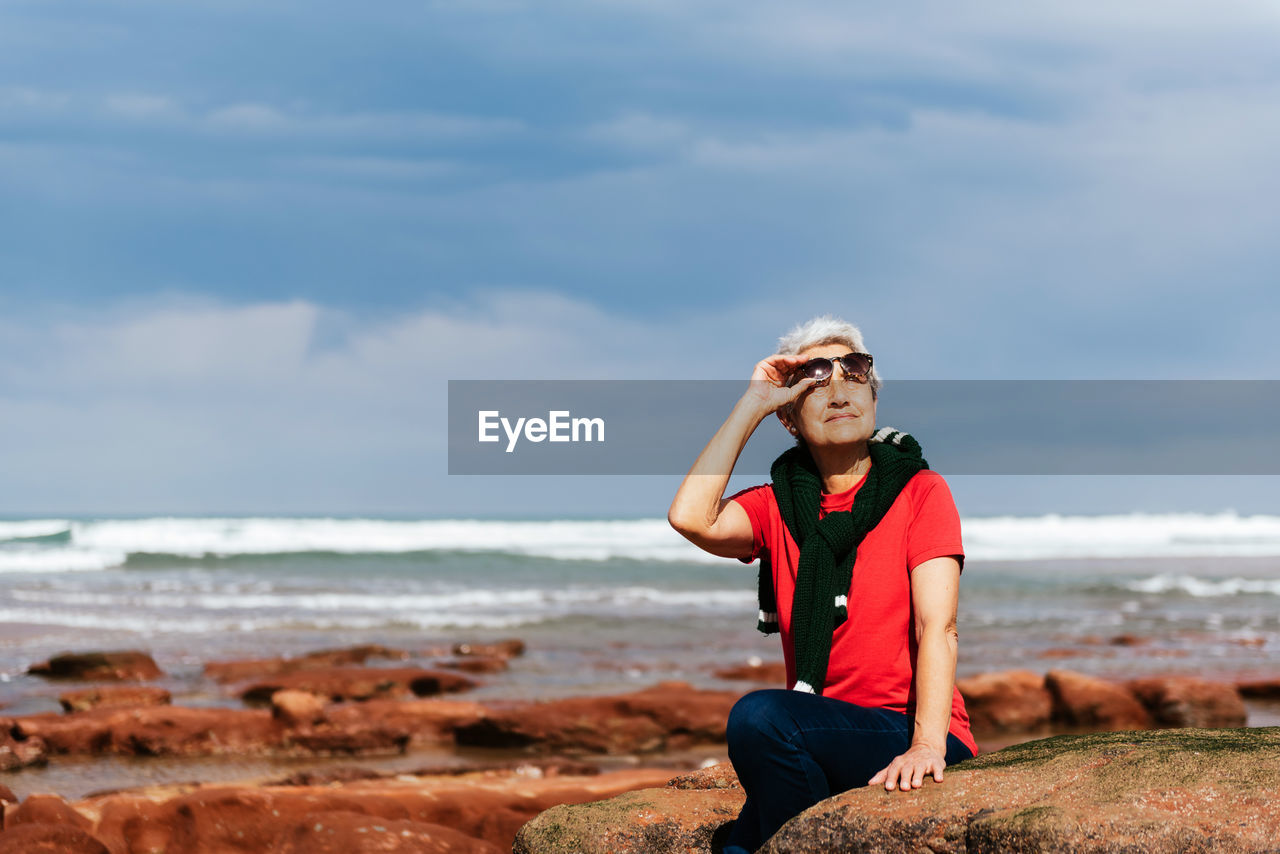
(1023, 176)
(180, 404)
(134, 105)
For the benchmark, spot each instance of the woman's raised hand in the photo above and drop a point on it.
(769, 382)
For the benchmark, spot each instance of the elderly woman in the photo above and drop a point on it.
(860, 555)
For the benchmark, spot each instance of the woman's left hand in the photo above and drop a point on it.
(908, 770)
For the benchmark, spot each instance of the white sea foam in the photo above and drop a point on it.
(1129, 535)
(1202, 587)
(101, 544)
(32, 528)
(650, 539)
(149, 624)
(550, 599)
(32, 558)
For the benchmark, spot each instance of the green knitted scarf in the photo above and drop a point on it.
(828, 548)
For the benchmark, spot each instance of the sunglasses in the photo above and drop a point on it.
(857, 366)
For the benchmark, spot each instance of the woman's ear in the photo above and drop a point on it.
(784, 415)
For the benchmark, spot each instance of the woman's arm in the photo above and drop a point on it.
(699, 510)
(935, 592)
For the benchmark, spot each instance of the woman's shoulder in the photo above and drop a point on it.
(926, 479)
(926, 487)
(761, 493)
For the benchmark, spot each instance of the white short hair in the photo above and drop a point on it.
(826, 329)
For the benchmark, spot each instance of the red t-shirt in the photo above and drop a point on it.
(873, 653)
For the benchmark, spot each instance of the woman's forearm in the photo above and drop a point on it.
(936, 655)
(697, 502)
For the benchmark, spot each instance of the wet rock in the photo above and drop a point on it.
(425, 721)
(377, 727)
(770, 672)
(532, 769)
(49, 839)
(1072, 652)
(1007, 701)
(297, 708)
(19, 749)
(122, 666)
(1085, 701)
(243, 670)
(7, 795)
(1259, 689)
(114, 697)
(1184, 701)
(154, 731)
(367, 740)
(478, 664)
(668, 716)
(359, 683)
(510, 648)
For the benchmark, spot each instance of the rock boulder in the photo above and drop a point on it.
(668, 716)
(1007, 701)
(1158, 792)
(1177, 701)
(123, 666)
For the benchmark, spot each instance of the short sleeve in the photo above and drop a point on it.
(754, 500)
(934, 530)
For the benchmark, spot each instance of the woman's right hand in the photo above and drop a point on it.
(769, 388)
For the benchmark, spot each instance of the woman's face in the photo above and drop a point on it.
(839, 411)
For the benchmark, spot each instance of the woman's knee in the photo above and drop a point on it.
(756, 717)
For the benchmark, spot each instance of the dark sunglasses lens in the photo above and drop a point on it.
(857, 364)
(817, 369)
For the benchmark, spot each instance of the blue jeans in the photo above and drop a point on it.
(792, 750)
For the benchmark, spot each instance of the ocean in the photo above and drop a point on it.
(608, 605)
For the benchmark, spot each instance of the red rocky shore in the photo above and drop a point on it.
(336, 703)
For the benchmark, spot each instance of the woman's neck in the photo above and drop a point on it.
(841, 467)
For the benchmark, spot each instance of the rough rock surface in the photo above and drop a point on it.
(123, 666)
(1180, 790)
(682, 817)
(668, 716)
(719, 776)
(1137, 792)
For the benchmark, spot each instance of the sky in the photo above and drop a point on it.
(244, 246)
